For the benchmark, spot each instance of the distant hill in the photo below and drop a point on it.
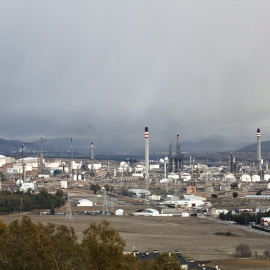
(214, 145)
(7, 146)
(265, 147)
(62, 145)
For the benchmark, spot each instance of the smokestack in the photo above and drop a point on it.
(146, 152)
(259, 151)
(92, 158)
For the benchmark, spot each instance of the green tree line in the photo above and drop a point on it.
(244, 218)
(26, 245)
(19, 201)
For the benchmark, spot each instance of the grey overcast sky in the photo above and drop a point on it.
(106, 69)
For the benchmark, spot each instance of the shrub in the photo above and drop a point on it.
(243, 250)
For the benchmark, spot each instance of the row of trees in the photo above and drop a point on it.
(244, 218)
(19, 201)
(96, 187)
(26, 245)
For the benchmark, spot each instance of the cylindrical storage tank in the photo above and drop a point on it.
(268, 186)
(79, 177)
(266, 177)
(75, 177)
(244, 188)
(208, 189)
(229, 178)
(63, 184)
(255, 178)
(245, 178)
(225, 188)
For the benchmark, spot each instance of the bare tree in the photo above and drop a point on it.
(243, 250)
(266, 254)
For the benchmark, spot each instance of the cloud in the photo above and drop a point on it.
(107, 69)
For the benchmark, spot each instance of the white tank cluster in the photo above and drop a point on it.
(248, 178)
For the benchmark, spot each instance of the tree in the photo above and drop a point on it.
(258, 193)
(27, 246)
(59, 193)
(243, 250)
(166, 261)
(214, 195)
(107, 187)
(235, 194)
(103, 247)
(64, 245)
(266, 254)
(95, 188)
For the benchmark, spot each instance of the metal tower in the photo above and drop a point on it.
(68, 211)
(178, 155)
(40, 157)
(71, 148)
(259, 155)
(170, 159)
(92, 159)
(23, 178)
(105, 204)
(121, 181)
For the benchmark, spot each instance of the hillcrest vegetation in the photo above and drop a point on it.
(26, 245)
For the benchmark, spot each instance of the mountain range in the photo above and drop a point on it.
(63, 145)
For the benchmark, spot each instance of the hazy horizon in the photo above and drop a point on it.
(106, 69)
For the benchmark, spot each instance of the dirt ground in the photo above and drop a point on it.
(194, 237)
(241, 264)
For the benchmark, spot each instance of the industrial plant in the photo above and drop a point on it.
(175, 185)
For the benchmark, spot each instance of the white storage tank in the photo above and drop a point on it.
(266, 177)
(255, 178)
(229, 178)
(63, 184)
(245, 178)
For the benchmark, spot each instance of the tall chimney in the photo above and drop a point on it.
(92, 159)
(146, 152)
(259, 151)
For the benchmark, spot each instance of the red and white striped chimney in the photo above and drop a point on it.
(146, 135)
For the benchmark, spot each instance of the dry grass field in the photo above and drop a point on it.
(194, 237)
